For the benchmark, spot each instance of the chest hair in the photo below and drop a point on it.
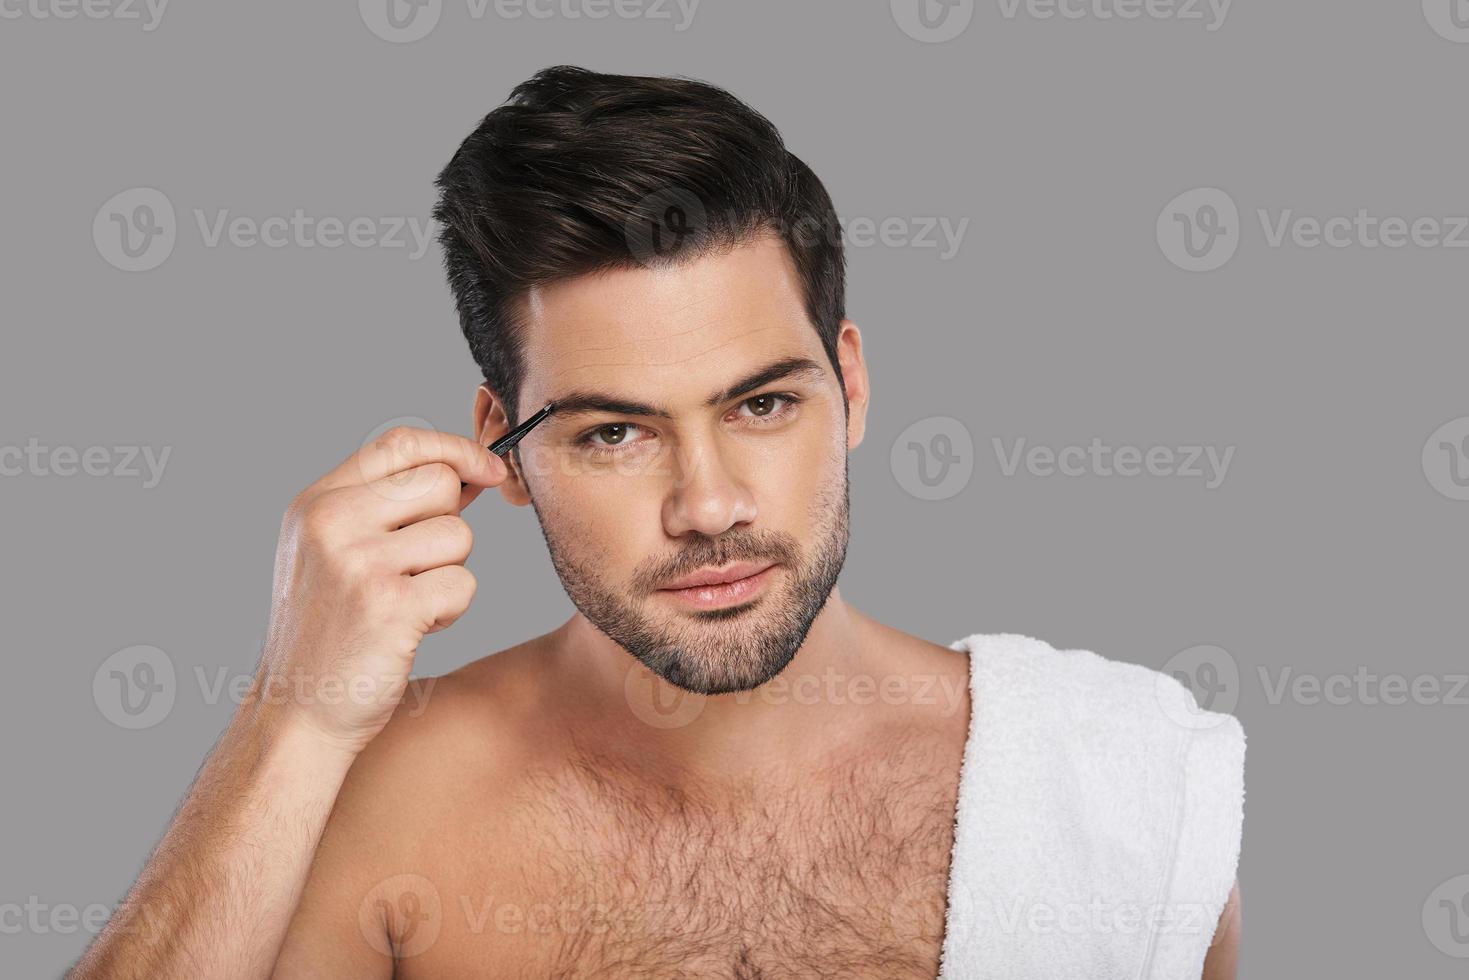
(843, 876)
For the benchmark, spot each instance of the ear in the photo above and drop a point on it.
(490, 423)
(854, 377)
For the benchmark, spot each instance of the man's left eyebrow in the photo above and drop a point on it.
(574, 403)
(791, 367)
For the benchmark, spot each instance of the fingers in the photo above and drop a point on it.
(467, 494)
(405, 448)
(443, 594)
(410, 495)
(438, 541)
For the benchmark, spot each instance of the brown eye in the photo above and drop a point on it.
(766, 400)
(609, 438)
(769, 408)
(612, 434)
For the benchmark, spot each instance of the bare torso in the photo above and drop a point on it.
(581, 863)
(608, 877)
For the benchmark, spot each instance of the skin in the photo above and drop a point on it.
(643, 791)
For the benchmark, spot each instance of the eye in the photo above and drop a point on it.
(614, 437)
(766, 409)
(613, 434)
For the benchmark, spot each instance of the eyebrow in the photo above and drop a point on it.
(587, 402)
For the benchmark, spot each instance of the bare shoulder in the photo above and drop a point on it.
(467, 721)
(919, 659)
(428, 790)
(463, 736)
(914, 653)
(925, 687)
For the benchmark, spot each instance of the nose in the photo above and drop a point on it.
(708, 496)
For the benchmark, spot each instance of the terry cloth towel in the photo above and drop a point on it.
(1097, 828)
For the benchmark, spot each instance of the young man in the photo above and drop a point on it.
(717, 767)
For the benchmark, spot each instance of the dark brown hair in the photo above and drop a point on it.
(580, 172)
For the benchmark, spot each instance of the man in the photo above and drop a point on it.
(642, 792)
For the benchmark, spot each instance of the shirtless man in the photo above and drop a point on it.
(644, 791)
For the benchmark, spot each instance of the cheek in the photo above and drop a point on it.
(796, 493)
(817, 453)
(613, 530)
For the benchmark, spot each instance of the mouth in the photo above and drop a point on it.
(717, 588)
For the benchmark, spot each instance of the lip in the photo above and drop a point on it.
(714, 588)
(732, 572)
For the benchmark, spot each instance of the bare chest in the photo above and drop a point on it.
(845, 878)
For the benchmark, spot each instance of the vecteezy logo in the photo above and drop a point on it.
(664, 223)
(405, 906)
(659, 705)
(1211, 677)
(400, 21)
(933, 21)
(406, 479)
(933, 458)
(1446, 459)
(1446, 917)
(134, 688)
(135, 229)
(1199, 229)
(1448, 18)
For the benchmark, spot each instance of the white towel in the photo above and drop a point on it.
(1098, 823)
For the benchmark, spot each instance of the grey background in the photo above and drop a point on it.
(1327, 547)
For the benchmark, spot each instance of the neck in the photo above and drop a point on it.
(789, 724)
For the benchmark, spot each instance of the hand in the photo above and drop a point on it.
(370, 560)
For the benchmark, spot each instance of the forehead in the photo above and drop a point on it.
(678, 331)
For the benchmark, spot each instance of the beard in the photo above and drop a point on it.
(714, 651)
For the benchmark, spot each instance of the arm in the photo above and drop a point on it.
(217, 894)
(1222, 961)
(370, 560)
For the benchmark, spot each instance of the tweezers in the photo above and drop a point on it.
(507, 442)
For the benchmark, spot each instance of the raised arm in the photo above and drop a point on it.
(370, 559)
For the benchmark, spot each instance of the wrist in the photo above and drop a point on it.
(282, 728)
(294, 736)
